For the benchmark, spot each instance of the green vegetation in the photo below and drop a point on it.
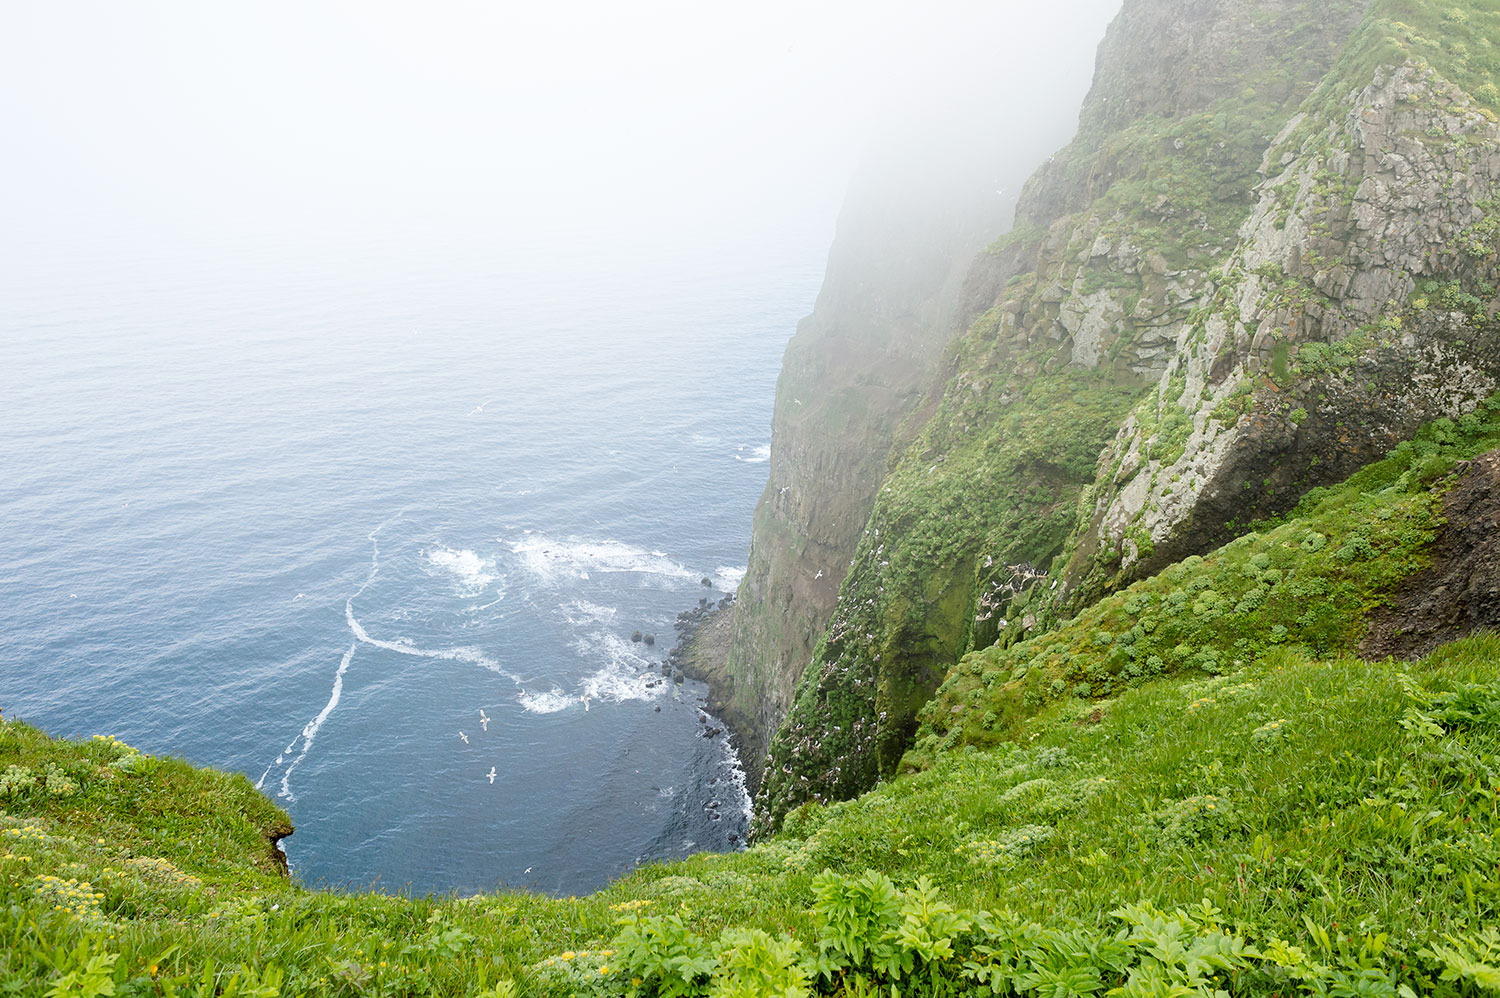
(1016, 450)
(1297, 826)
(1458, 39)
(1308, 582)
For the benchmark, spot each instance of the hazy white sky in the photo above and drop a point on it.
(560, 120)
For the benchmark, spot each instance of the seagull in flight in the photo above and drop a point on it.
(492, 776)
(464, 737)
(484, 722)
(480, 407)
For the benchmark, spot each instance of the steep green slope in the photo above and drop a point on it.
(1310, 583)
(1337, 818)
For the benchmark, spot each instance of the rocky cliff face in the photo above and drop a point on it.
(1358, 305)
(850, 375)
(1268, 256)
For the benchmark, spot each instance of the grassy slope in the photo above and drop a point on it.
(1296, 796)
(1306, 582)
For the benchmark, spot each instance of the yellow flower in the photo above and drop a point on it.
(603, 969)
(568, 954)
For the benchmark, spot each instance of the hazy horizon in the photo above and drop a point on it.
(167, 129)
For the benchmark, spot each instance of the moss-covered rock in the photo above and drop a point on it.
(1360, 304)
(1311, 583)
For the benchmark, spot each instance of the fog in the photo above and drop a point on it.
(566, 128)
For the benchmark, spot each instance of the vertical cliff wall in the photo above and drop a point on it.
(915, 216)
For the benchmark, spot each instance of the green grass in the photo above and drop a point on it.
(1323, 803)
(1308, 580)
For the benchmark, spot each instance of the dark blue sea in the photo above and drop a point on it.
(376, 529)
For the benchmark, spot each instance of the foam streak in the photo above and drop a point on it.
(311, 730)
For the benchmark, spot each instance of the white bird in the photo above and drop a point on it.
(299, 596)
(492, 776)
(464, 737)
(585, 703)
(484, 722)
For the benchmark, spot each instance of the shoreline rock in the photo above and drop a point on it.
(704, 635)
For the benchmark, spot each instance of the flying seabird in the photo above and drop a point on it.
(464, 737)
(484, 722)
(492, 776)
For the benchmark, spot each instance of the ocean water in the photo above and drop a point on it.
(376, 530)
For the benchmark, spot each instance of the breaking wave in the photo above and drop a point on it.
(727, 578)
(472, 573)
(575, 559)
(550, 702)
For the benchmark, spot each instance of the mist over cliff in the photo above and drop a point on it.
(1218, 295)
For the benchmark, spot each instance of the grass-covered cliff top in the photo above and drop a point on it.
(1263, 814)
(1308, 581)
(1297, 826)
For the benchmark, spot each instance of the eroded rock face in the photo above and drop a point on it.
(1358, 306)
(855, 368)
(1460, 593)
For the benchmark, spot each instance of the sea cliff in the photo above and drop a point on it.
(1267, 257)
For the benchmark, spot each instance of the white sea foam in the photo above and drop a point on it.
(759, 455)
(581, 612)
(310, 731)
(404, 647)
(550, 702)
(311, 728)
(472, 572)
(727, 578)
(739, 793)
(549, 559)
(625, 674)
